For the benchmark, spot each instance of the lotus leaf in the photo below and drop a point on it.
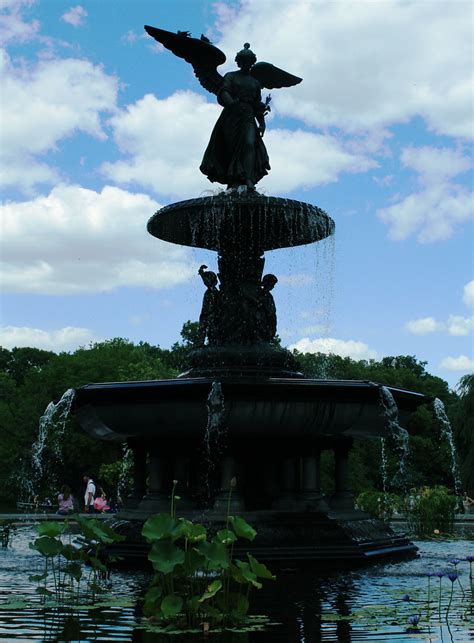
(162, 526)
(47, 546)
(97, 530)
(164, 556)
(260, 569)
(36, 578)
(74, 570)
(51, 529)
(211, 591)
(196, 533)
(97, 564)
(248, 574)
(171, 605)
(193, 561)
(154, 593)
(242, 528)
(69, 552)
(215, 553)
(225, 536)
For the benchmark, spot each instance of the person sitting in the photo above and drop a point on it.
(100, 503)
(468, 503)
(65, 501)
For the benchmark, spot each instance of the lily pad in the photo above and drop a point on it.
(165, 556)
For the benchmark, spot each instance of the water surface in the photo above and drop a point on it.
(359, 606)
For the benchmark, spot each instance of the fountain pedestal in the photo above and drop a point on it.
(270, 426)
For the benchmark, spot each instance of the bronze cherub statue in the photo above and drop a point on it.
(236, 154)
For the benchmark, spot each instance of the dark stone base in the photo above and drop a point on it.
(293, 539)
(257, 360)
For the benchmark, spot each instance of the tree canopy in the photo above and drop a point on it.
(30, 378)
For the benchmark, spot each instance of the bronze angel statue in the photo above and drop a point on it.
(236, 154)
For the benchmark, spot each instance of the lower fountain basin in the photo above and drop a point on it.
(264, 407)
(249, 219)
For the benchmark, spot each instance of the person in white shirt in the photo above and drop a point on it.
(89, 493)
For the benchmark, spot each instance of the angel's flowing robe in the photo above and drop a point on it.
(236, 152)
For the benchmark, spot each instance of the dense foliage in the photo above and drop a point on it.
(30, 378)
(196, 579)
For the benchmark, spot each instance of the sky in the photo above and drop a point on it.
(100, 127)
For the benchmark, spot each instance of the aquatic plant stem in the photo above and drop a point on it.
(428, 600)
(173, 509)
(439, 601)
(449, 604)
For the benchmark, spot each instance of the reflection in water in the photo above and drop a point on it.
(362, 606)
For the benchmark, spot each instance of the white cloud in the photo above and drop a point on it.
(13, 27)
(165, 140)
(365, 65)
(76, 240)
(461, 363)
(76, 16)
(423, 326)
(345, 348)
(459, 326)
(165, 150)
(435, 163)
(468, 296)
(440, 206)
(43, 105)
(64, 339)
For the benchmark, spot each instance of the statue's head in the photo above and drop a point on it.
(269, 281)
(245, 58)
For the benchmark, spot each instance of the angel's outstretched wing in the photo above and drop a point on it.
(271, 77)
(203, 56)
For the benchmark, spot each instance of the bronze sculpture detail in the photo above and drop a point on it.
(236, 155)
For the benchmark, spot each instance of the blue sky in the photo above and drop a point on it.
(100, 128)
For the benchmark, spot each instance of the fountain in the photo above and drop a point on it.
(243, 410)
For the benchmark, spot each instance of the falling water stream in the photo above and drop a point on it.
(397, 433)
(52, 425)
(447, 434)
(383, 464)
(214, 435)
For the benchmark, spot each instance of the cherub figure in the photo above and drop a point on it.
(209, 317)
(269, 325)
(236, 154)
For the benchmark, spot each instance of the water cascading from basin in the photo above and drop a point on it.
(214, 439)
(383, 464)
(447, 434)
(51, 430)
(398, 434)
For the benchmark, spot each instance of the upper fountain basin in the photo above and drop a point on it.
(238, 220)
(265, 407)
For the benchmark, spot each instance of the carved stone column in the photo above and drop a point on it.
(311, 497)
(156, 499)
(181, 473)
(343, 498)
(289, 485)
(228, 471)
(138, 474)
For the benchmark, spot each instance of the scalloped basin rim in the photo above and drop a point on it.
(251, 221)
(273, 407)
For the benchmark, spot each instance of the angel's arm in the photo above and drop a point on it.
(224, 97)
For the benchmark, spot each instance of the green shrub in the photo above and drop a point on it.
(196, 578)
(431, 510)
(379, 504)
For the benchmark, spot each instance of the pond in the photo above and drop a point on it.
(364, 605)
